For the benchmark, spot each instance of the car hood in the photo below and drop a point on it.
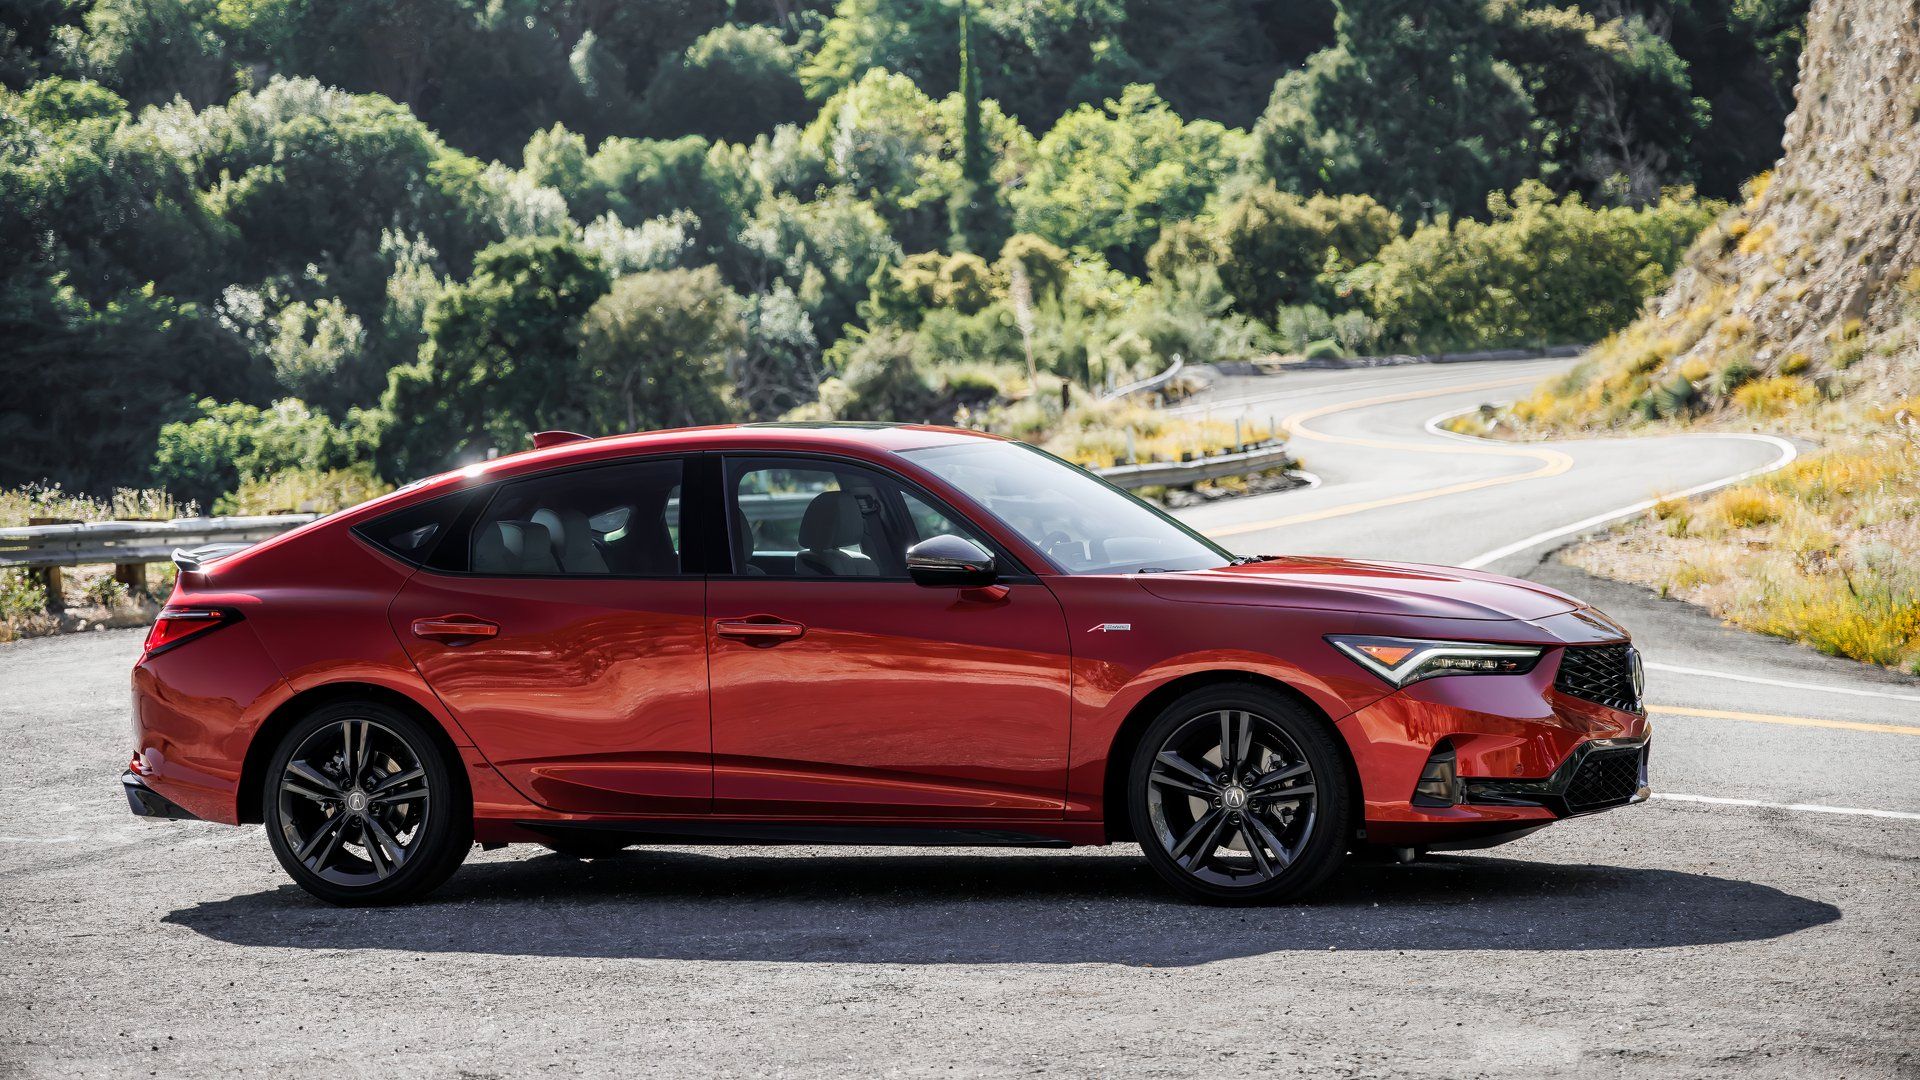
(1381, 588)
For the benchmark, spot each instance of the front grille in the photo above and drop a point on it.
(1606, 778)
(1599, 673)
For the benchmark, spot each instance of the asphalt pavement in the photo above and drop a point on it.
(1755, 920)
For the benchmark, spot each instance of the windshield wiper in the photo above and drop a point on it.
(1242, 560)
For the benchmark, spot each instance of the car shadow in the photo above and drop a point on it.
(1029, 908)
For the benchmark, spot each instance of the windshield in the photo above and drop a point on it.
(1084, 524)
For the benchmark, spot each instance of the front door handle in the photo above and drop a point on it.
(455, 629)
(759, 628)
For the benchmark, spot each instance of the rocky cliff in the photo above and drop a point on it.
(1812, 284)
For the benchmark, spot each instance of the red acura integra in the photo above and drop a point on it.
(855, 634)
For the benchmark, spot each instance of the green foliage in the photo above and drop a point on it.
(1542, 271)
(1046, 266)
(1202, 54)
(416, 204)
(975, 214)
(885, 381)
(733, 83)
(655, 352)
(826, 251)
(1411, 106)
(225, 445)
(1104, 180)
(904, 294)
(904, 151)
(499, 361)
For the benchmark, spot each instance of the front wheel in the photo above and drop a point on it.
(361, 807)
(1239, 795)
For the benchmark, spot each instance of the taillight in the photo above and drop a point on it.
(178, 625)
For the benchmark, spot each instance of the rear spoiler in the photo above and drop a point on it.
(192, 562)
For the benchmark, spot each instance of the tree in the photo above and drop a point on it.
(904, 152)
(733, 83)
(1105, 180)
(1411, 106)
(656, 352)
(501, 357)
(976, 218)
(826, 251)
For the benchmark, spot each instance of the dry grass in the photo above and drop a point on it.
(1826, 551)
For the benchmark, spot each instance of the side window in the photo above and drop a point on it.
(821, 519)
(608, 520)
(928, 522)
(413, 533)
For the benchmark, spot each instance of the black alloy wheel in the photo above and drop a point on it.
(361, 807)
(1240, 795)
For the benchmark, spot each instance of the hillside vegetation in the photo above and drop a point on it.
(1797, 313)
(271, 253)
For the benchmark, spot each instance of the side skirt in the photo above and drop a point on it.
(747, 832)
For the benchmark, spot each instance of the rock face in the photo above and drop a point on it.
(1820, 269)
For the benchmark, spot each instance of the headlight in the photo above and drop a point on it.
(1407, 660)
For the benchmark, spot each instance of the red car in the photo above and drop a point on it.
(866, 634)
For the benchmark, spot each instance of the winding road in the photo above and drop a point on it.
(1753, 921)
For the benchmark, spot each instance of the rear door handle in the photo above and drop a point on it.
(455, 629)
(759, 628)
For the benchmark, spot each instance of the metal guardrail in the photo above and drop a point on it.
(1151, 383)
(1182, 473)
(132, 542)
(131, 545)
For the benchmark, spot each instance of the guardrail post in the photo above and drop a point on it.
(133, 576)
(50, 584)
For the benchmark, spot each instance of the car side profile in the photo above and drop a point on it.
(866, 634)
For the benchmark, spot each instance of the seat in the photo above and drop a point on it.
(832, 522)
(572, 540)
(514, 547)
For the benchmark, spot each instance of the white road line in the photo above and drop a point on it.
(1788, 452)
(1821, 687)
(1804, 808)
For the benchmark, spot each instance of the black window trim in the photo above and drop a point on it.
(1012, 571)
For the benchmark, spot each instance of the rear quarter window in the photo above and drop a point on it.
(413, 533)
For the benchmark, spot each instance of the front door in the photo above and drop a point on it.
(842, 689)
(571, 645)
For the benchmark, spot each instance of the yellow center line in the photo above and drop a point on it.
(1795, 721)
(1552, 462)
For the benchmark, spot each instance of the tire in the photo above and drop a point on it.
(351, 773)
(1290, 829)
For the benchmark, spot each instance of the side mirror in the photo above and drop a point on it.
(950, 562)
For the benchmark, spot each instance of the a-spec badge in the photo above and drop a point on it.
(1109, 627)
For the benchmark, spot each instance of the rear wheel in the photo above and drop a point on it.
(1239, 795)
(361, 807)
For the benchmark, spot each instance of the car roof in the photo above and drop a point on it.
(866, 440)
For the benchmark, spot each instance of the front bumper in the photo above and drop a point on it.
(1599, 775)
(148, 803)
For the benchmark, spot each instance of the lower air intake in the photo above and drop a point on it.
(1606, 778)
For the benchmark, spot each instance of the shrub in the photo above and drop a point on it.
(1747, 507)
(304, 491)
(1543, 270)
(1771, 397)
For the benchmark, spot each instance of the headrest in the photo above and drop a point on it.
(514, 547)
(832, 521)
(571, 535)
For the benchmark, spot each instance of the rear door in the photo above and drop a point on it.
(568, 638)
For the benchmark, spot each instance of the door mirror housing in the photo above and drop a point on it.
(950, 562)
